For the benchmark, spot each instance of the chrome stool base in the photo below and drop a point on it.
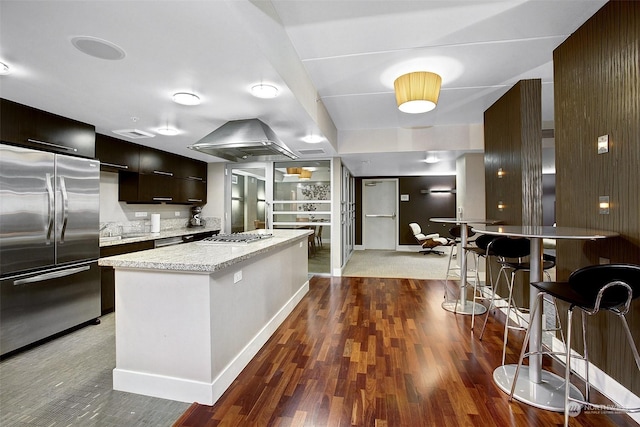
(548, 394)
(456, 307)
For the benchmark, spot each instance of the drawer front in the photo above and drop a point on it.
(33, 308)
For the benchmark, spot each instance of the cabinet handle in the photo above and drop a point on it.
(114, 165)
(194, 200)
(163, 199)
(163, 173)
(196, 178)
(35, 141)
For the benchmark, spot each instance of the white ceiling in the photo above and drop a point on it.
(341, 56)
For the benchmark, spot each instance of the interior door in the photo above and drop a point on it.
(380, 208)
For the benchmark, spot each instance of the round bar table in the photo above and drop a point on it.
(535, 386)
(461, 305)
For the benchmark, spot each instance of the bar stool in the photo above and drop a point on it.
(510, 253)
(456, 234)
(609, 287)
(479, 250)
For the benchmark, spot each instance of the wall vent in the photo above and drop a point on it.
(311, 151)
(133, 133)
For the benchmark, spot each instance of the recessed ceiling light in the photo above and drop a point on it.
(312, 139)
(186, 98)
(432, 158)
(4, 69)
(167, 131)
(264, 91)
(98, 48)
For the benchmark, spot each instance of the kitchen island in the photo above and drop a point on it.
(190, 317)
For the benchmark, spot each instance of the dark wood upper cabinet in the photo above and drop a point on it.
(193, 169)
(164, 177)
(159, 162)
(116, 155)
(30, 127)
(190, 191)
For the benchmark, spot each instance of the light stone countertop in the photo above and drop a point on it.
(143, 237)
(201, 256)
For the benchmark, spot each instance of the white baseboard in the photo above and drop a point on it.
(599, 380)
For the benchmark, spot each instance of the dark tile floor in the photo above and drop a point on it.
(68, 382)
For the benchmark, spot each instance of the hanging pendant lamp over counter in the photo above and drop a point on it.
(417, 92)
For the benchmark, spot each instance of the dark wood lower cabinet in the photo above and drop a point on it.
(107, 274)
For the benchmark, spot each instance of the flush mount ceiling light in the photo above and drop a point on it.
(431, 158)
(167, 131)
(312, 139)
(186, 98)
(98, 48)
(4, 69)
(417, 92)
(263, 90)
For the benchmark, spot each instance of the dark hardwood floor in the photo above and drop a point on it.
(378, 352)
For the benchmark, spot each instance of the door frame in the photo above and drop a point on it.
(396, 206)
(268, 167)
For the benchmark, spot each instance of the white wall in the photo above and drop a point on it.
(215, 193)
(470, 185)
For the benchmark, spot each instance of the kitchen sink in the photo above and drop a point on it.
(110, 238)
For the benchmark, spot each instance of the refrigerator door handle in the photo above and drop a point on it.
(50, 216)
(65, 208)
(51, 275)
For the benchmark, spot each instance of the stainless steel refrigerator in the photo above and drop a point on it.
(49, 244)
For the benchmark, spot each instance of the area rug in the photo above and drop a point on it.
(403, 265)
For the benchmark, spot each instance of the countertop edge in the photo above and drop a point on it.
(166, 259)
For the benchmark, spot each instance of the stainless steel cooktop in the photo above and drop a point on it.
(236, 238)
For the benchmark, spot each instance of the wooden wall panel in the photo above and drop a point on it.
(513, 142)
(597, 92)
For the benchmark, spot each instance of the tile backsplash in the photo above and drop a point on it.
(143, 226)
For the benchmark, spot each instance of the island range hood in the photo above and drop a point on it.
(244, 140)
